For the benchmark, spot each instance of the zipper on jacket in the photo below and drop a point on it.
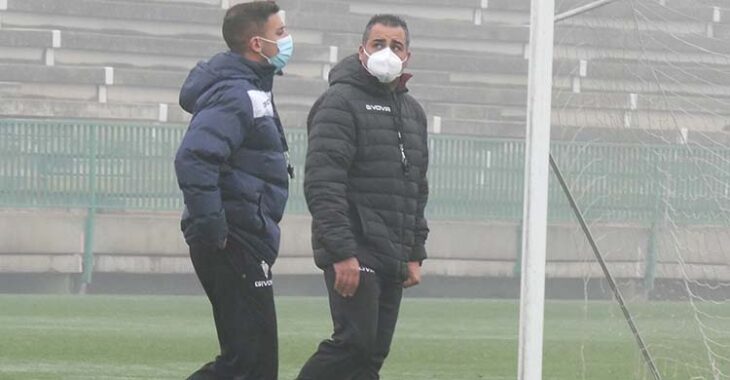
(398, 121)
(289, 166)
(285, 145)
(282, 136)
(404, 163)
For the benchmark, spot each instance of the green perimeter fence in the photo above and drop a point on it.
(102, 165)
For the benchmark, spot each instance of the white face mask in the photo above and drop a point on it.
(384, 65)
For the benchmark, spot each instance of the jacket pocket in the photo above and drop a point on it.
(247, 214)
(210, 230)
(260, 212)
(369, 223)
(375, 232)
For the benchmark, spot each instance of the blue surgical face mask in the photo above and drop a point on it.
(286, 49)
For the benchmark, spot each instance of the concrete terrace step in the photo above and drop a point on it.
(599, 118)
(67, 109)
(8, 89)
(655, 11)
(77, 16)
(459, 61)
(292, 116)
(631, 39)
(419, 28)
(468, 95)
(153, 78)
(422, 10)
(446, 3)
(18, 19)
(28, 38)
(124, 85)
(650, 57)
(160, 62)
(147, 45)
(481, 127)
(51, 74)
(197, 3)
(190, 11)
(685, 10)
(618, 15)
(139, 11)
(497, 123)
(513, 109)
(154, 86)
(469, 84)
(80, 47)
(476, 112)
(332, 7)
(286, 84)
(176, 46)
(348, 42)
(668, 72)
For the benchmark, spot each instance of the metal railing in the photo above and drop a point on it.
(103, 165)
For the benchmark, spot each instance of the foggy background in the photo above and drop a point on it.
(640, 128)
(91, 123)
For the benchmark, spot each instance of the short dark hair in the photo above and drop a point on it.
(244, 21)
(387, 20)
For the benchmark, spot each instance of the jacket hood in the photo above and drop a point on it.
(222, 67)
(351, 71)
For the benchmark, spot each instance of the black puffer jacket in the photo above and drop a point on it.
(364, 200)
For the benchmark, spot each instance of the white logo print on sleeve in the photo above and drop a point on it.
(261, 103)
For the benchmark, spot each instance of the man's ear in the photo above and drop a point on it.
(408, 59)
(254, 44)
(362, 55)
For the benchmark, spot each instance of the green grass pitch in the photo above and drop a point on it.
(168, 337)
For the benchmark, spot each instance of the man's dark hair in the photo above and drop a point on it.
(246, 20)
(387, 20)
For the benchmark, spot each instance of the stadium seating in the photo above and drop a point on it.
(124, 60)
(133, 53)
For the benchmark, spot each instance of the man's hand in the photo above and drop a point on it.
(347, 276)
(414, 274)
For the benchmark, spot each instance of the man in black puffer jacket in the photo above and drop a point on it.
(365, 184)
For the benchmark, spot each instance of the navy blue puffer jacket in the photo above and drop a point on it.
(231, 165)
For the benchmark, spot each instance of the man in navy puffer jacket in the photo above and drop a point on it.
(232, 167)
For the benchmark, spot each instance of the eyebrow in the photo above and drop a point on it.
(383, 40)
(397, 42)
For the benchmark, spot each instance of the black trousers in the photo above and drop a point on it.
(363, 330)
(239, 288)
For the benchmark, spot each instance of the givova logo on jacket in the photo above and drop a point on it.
(377, 107)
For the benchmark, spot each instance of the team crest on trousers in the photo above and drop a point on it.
(265, 283)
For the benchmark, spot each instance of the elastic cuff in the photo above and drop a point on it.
(418, 253)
